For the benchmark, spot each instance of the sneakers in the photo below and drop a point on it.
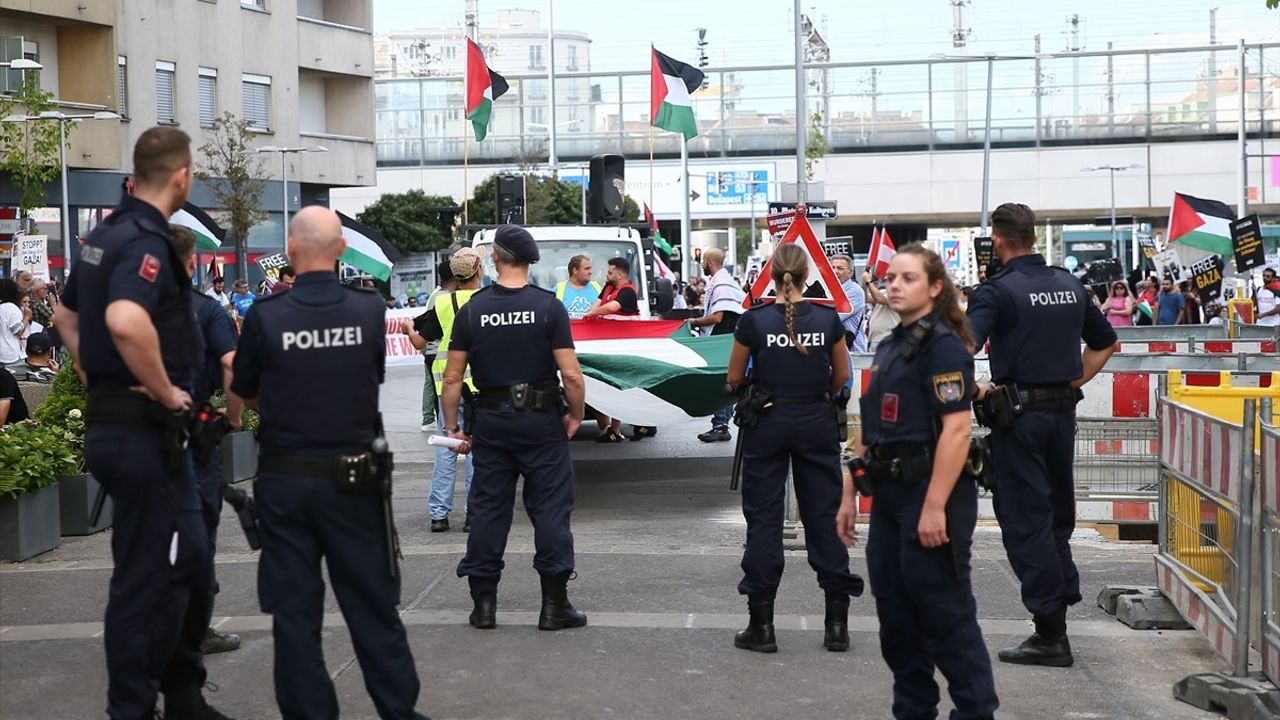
(644, 431)
(716, 434)
(187, 703)
(440, 525)
(429, 426)
(609, 436)
(216, 642)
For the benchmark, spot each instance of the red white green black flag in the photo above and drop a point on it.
(483, 87)
(670, 106)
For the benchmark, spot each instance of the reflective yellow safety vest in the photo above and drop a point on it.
(446, 307)
(560, 286)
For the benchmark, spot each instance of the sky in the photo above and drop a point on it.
(751, 32)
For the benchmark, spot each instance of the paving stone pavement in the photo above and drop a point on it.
(658, 540)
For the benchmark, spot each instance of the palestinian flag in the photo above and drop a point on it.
(1145, 308)
(652, 372)
(1202, 224)
(367, 249)
(654, 233)
(208, 235)
(483, 87)
(670, 85)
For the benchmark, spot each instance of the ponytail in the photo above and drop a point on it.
(789, 309)
(788, 267)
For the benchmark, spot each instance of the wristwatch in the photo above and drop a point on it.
(454, 429)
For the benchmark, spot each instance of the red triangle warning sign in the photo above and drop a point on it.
(823, 287)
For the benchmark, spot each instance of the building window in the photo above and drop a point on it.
(164, 92)
(207, 92)
(122, 86)
(573, 57)
(13, 48)
(254, 4)
(536, 115)
(256, 90)
(451, 52)
(535, 57)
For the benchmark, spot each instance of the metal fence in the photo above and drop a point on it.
(1116, 459)
(1269, 483)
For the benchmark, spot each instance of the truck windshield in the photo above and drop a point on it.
(554, 265)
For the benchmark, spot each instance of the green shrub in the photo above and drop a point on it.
(33, 454)
(250, 420)
(63, 411)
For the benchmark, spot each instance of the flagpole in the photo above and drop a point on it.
(651, 165)
(686, 224)
(466, 187)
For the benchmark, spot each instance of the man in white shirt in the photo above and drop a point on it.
(855, 336)
(1268, 299)
(218, 291)
(723, 308)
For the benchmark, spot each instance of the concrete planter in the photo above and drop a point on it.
(29, 524)
(76, 494)
(239, 457)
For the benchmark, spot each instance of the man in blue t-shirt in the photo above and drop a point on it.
(579, 291)
(1169, 304)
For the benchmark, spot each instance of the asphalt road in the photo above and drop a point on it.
(658, 544)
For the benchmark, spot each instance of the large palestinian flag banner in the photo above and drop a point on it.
(209, 235)
(367, 249)
(652, 372)
(670, 84)
(1202, 224)
(483, 87)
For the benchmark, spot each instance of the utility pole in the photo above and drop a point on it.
(552, 160)
(875, 95)
(1211, 72)
(472, 19)
(1039, 91)
(802, 183)
(1111, 90)
(959, 39)
(1073, 21)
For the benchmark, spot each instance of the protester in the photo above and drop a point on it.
(1170, 304)
(241, 298)
(14, 322)
(1267, 300)
(218, 291)
(882, 319)
(285, 283)
(39, 365)
(13, 409)
(1119, 306)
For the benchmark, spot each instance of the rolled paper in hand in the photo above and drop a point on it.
(442, 441)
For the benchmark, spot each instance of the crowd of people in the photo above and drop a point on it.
(1148, 301)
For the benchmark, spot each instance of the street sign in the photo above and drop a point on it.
(951, 254)
(823, 288)
(824, 210)
(10, 226)
(734, 187)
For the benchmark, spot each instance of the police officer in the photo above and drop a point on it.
(311, 361)
(218, 332)
(126, 318)
(521, 427)
(915, 439)
(1036, 317)
(800, 364)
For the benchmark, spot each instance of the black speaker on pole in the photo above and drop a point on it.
(510, 200)
(607, 188)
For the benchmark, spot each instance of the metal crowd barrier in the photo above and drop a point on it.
(1269, 483)
(1115, 459)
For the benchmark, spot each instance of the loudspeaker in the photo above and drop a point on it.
(510, 200)
(607, 188)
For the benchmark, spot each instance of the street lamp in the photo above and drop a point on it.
(1112, 170)
(284, 177)
(21, 64)
(62, 119)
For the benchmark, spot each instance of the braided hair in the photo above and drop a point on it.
(789, 268)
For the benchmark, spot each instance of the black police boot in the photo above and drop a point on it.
(716, 434)
(557, 612)
(466, 524)
(836, 624)
(441, 525)
(485, 614)
(216, 642)
(1049, 645)
(187, 703)
(759, 633)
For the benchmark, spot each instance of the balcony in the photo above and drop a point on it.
(350, 161)
(96, 13)
(333, 48)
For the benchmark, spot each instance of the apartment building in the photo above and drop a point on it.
(300, 71)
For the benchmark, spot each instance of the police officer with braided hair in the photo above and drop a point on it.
(126, 318)
(799, 365)
(1036, 317)
(522, 425)
(915, 440)
(311, 360)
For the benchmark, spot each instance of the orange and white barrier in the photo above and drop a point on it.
(1269, 480)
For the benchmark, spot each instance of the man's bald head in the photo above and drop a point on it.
(713, 258)
(315, 239)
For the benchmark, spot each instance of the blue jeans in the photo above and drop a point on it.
(445, 475)
(429, 399)
(722, 417)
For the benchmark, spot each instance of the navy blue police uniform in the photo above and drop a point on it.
(511, 442)
(132, 446)
(799, 431)
(1036, 317)
(924, 596)
(314, 358)
(219, 333)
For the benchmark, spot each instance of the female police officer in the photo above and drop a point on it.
(915, 438)
(798, 354)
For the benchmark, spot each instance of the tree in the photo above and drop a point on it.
(413, 221)
(29, 151)
(548, 201)
(237, 178)
(817, 147)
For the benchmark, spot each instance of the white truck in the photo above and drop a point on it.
(558, 243)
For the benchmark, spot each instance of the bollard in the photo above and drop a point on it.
(1244, 539)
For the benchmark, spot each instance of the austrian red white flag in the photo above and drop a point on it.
(882, 251)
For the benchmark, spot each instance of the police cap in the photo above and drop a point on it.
(517, 241)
